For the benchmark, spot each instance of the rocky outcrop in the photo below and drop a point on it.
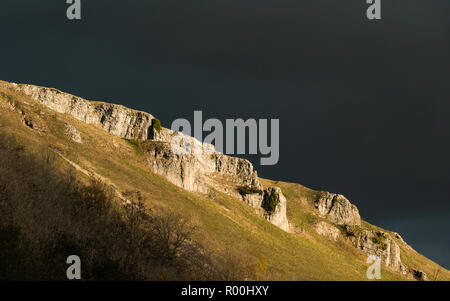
(337, 209)
(419, 275)
(116, 119)
(380, 244)
(326, 229)
(188, 171)
(73, 134)
(196, 167)
(181, 159)
(274, 204)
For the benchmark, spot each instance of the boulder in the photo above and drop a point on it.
(275, 214)
(73, 134)
(337, 209)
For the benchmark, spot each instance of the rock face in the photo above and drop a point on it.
(116, 119)
(419, 275)
(73, 134)
(277, 216)
(194, 171)
(337, 209)
(380, 244)
(188, 171)
(327, 230)
(200, 169)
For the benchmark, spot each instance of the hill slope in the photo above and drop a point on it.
(121, 148)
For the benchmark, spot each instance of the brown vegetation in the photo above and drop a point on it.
(45, 216)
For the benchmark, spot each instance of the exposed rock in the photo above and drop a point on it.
(337, 209)
(190, 164)
(254, 199)
(380, 244)
(327, 230)
(201, 169)
(402, 241)
(276, 215)
(237, 167)
(73, 134)
(181, 159)
(187, 171)
(419, 275)
(116, 119)
(165, 135)
(194, 166)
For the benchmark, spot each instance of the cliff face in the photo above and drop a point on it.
(197, 171)
(337, 209)
(116, 119)
(380, 244)
(205, 169)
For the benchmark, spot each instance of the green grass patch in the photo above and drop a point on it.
(247, 190)
(156, 123)
(379, 240)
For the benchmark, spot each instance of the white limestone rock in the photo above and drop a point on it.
(337, 209)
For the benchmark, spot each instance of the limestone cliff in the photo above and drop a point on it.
(337, 209)
(116, 119)
(196, 171)
(203, 169)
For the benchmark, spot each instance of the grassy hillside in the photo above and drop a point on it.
(227, 229)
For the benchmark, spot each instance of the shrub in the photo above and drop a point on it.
(248, 190)
(156, 123)
(272, 204)
(379, 240)
(354, 231)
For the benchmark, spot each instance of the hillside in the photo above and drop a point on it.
(305, 235)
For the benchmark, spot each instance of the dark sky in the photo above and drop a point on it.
(363, 105)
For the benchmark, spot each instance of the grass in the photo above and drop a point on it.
(379, 240)
(156, 123)
(247, 190)
(227, 227)
(137, 145)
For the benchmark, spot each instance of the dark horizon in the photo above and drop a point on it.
(363, 105)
